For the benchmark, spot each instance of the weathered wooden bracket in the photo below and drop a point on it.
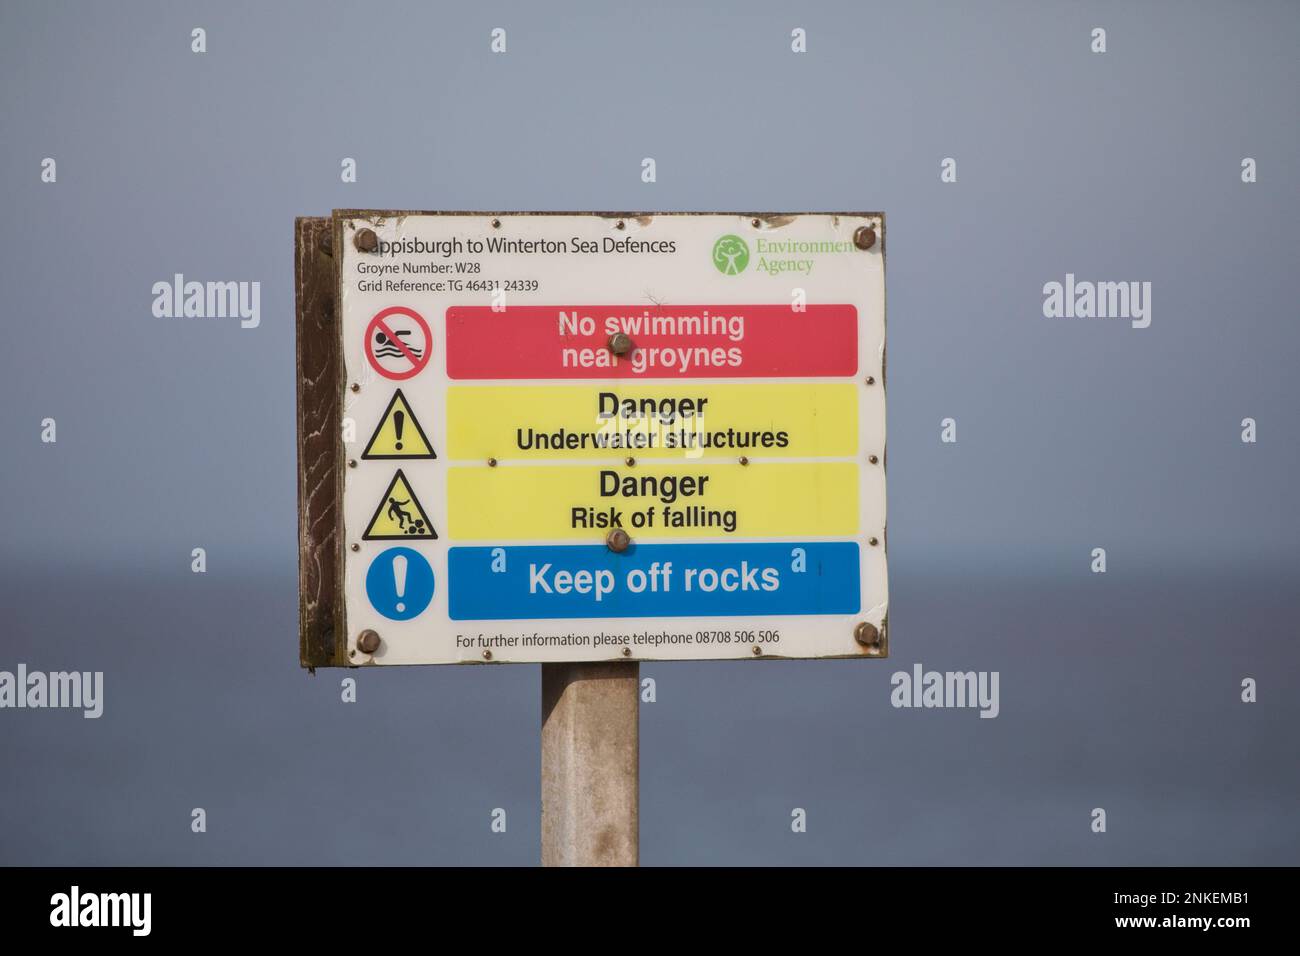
(322, 641)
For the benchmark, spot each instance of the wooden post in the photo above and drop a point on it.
(590, 763)
(322, 642)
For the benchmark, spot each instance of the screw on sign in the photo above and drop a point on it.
(398, 343)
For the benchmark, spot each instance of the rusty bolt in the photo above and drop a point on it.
(755, 223)
(356, 387)
(487, 655)
(864, 237)
(620, 224)
(492, 462)
(367, 641)
(758, 651)
(744, 460)
(871, 380)
(496, 223)
(627, 652)
(873, 541)
(327, 244)
(365, 240)
(629, 461)
(620, 343)
(866, 634)
(617, 541)
(352, 463)
(873, 459)
(356, 547)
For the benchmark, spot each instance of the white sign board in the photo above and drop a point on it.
(582, 437)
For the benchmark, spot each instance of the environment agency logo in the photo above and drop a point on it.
(731, 255)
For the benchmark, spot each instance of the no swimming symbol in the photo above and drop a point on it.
(398, 343)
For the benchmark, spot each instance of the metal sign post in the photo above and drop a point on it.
(590, 764)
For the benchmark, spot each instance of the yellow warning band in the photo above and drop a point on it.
(585, 502)
(679, 420)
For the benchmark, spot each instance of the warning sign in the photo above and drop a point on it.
(398, 343)
(398, 434)
(657, 437)
(399, 515)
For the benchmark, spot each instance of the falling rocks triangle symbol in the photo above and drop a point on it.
(400, 516)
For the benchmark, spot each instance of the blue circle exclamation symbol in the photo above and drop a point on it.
(399, 583)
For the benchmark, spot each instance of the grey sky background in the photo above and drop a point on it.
(1117, 690)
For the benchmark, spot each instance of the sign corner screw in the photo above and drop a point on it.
(867, 635)
(864, 237)
(365, 240)
(617, 541)
(368, 641)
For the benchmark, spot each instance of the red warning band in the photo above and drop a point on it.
(685, 341)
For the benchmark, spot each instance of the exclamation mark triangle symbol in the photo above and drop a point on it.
(398, 434)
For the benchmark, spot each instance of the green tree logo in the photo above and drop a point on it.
(730, 255)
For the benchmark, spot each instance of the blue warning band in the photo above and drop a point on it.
(653, 580)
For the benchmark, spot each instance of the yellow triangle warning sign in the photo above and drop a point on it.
(400, 515)
(398, 434)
